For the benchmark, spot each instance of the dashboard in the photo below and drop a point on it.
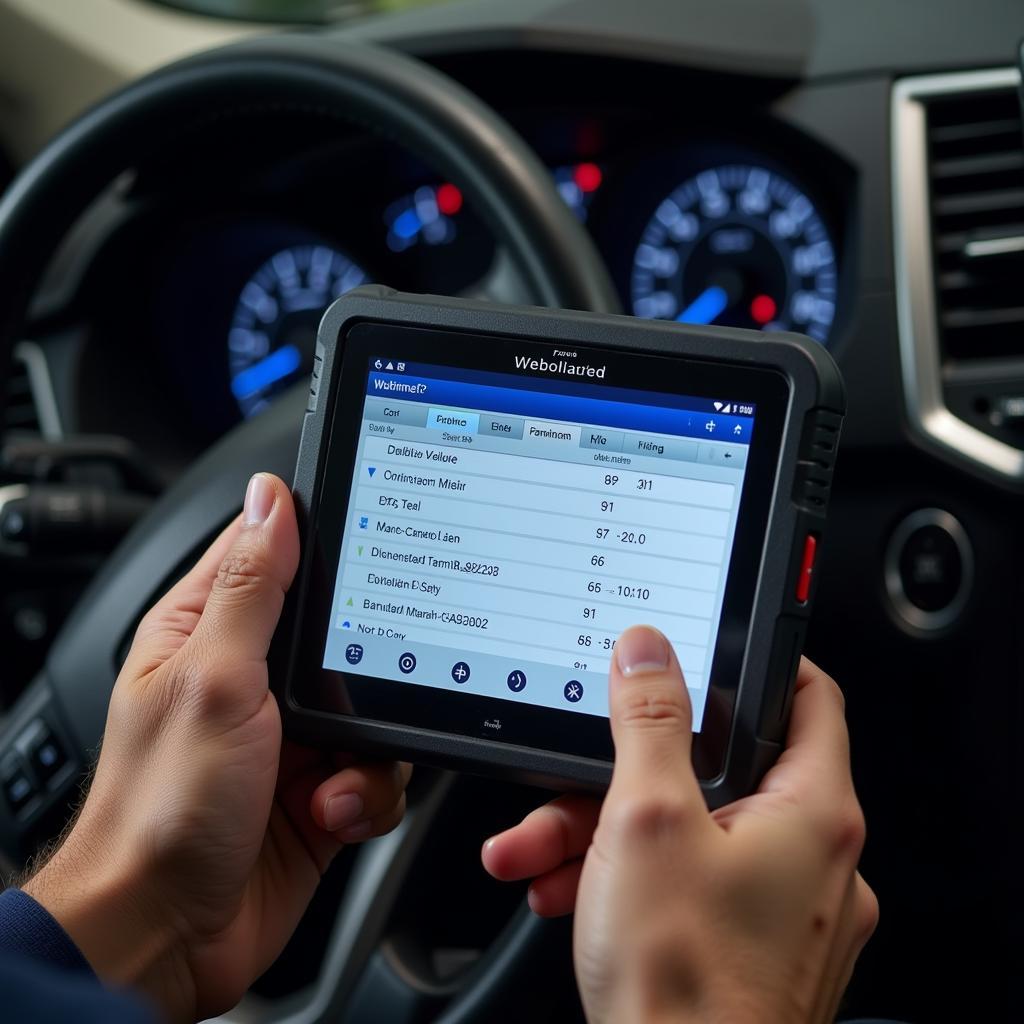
(736, 244)
(698, 226)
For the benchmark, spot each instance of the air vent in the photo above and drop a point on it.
(20, 413)
(976, 172)
(958, 232)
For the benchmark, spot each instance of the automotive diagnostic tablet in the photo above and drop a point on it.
(490, 496)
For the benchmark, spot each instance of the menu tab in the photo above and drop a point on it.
(659, 447)
(406, 413)
(565, 434)
(453, 419)
(502, 426)
(607, 440)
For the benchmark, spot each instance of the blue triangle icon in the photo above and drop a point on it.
(371, 470)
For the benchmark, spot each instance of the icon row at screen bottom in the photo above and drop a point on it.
(461, 673)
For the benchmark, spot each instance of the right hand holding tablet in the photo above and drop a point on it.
(755, 912)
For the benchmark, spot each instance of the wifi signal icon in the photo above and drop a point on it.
(718, 406)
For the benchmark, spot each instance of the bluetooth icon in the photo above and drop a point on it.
(460, 672)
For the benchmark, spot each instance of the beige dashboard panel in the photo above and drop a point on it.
(59, 56)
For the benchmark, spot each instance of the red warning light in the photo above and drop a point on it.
(588, 177)
(763, 309)
(449, 199)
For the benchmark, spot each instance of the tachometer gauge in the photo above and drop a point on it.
(273, 331)
(737, 245)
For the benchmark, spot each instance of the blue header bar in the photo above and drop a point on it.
(560, 386)
(571, 408)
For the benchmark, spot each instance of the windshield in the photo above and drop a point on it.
(302, 11)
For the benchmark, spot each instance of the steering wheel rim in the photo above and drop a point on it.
(384, 92)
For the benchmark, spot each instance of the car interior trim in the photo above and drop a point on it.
(44, 399)
(920, 358)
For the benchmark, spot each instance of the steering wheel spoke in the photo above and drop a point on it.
(501, 282)
(359, 928)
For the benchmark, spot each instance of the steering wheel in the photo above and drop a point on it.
(402, 100)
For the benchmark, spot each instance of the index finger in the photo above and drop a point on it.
(545, 839)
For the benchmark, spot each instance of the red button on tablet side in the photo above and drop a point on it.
(803, 582)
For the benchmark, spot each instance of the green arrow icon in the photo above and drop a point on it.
(359, 549)
(348, 603)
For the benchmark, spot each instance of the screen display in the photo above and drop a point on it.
(502, 530)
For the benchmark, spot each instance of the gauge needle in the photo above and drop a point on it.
(706, 307)
(253, 379)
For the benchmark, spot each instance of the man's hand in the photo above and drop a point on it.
(203, 839)
(753, 913)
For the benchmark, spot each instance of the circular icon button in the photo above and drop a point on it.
(516, 681)
(573, 691)
(460, 672)
(354, 654)
(407, 662)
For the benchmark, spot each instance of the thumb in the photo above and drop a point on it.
(651, 721)
(248, 591)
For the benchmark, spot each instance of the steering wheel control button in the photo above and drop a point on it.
(803, 581)
(46, 754)
(13, 524)
(573, 691)
(17, 785)
(354, 654)
(460, 672)
(929, 569)
(407, 663)
(516, 681)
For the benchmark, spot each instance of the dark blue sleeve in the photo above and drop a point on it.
(45, 979)
(29, 931)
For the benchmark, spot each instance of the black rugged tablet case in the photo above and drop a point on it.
(798, 509)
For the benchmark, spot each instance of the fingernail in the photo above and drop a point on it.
(342, 810)
(355, 833)
(533, 901)
(641, 649)
(259, 500)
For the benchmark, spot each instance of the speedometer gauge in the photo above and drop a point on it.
(737, 245)
(273, 331)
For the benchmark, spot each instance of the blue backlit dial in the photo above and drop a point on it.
(737, 245)
(273, 331)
